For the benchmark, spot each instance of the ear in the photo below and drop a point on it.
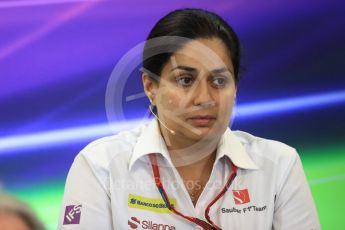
(150, 87)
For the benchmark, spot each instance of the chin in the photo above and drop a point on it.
(204, 133)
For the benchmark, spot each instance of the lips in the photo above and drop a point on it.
(202, 120)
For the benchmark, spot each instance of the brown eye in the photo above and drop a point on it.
(185, 80)
(219, 81)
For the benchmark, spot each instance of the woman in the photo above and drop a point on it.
(186, 168)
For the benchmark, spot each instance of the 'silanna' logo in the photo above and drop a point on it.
(134, 223)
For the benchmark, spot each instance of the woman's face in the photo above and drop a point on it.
(196, 91)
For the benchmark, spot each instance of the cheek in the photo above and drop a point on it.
(170, 100)
(226, 104)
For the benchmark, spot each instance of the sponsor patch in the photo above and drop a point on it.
(134, 223)
(241, 196)
(72, 214)
(246, 209)
(150, 204)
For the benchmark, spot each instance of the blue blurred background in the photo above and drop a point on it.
(56, 57)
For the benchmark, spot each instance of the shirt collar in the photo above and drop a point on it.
(151, 141)
(230, 146)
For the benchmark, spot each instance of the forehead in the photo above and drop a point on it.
(207, 54)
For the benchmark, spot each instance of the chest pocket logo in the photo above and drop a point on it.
(241, 196)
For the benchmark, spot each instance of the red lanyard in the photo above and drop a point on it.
(206, 226)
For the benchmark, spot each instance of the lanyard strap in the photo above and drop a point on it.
(206, 226)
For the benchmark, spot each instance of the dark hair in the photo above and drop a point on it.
(192, 24)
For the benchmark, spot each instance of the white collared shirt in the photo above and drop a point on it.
(110, 186)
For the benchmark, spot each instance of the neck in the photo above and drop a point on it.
(189, 152)
(193, 159)
(195, 174)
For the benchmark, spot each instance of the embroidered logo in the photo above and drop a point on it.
(72, 214)
(241, 196)
(149, 204)
(134, 223)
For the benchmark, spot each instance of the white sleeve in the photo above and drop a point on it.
(294, 205)
(86, 202)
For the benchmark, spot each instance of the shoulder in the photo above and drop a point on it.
(276, 160)
(102, 152)
(264, 151)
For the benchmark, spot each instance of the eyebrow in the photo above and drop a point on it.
(186, 68)
(221, 70)
(191, 69)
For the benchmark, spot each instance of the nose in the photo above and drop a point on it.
(202, 94)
